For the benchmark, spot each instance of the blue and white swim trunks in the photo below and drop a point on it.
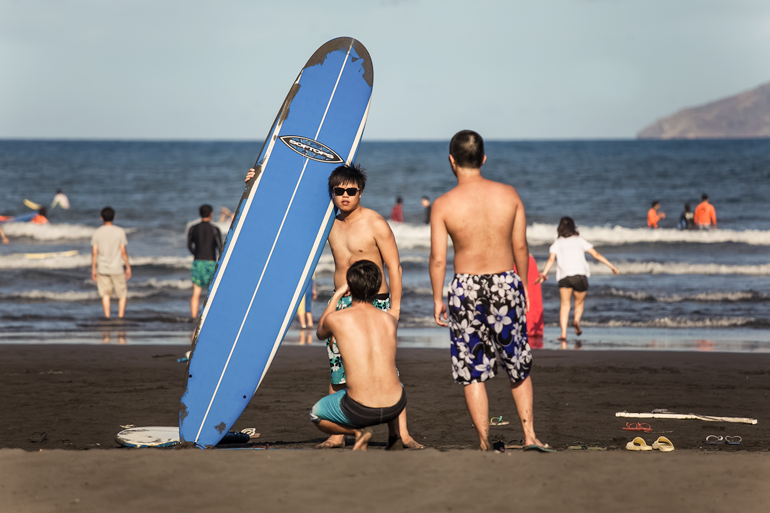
(487, 312)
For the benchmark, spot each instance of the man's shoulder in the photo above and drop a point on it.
(378, 318)
(372, 216)
(108, 228)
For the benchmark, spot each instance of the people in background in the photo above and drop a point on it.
(654, 215)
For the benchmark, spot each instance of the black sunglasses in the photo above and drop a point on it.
(339, 191)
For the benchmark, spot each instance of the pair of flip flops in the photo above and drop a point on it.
(729, 440)
(498, 421)
(662, 444)
(637, 426)
(517, 444)
(581, 446)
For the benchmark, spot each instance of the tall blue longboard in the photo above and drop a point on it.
(276, 238)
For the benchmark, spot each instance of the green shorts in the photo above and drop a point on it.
(202, 272)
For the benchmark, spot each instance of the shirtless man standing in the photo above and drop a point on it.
(487, 300)
(366, 338)
(359, 233)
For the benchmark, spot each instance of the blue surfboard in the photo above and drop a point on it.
(276, 238)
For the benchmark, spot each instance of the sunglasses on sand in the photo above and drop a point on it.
(339, 191)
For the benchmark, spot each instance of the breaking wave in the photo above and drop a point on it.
(69, 296)
(48, 232)
(20, 262)
(748, 296)
(680, 268)
(683, 322)
(540, 234)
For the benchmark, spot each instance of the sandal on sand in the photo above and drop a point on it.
(515, 444)
(733, 440)
(714, 439)
(498, 421)
(663, 444)
(541, 448)
(577, 446)
(638, 444)
(578, 331)
(637, 426)
(252, 432)
(38, 437)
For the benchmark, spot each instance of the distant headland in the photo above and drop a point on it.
(744, 115)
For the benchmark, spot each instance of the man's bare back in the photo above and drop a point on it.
(487, 224)
(366, 337)
(480, 216)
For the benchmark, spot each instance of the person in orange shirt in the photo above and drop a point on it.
(40, 217)
(653, 216)
(705, 215)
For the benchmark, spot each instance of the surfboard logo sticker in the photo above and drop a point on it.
(311, 149)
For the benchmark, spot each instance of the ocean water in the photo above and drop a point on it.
(674, 286)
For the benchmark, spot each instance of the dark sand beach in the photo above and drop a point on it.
(80, 395)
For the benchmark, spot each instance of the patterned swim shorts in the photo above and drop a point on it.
(202, 272)
(487, 312)
(382, 301)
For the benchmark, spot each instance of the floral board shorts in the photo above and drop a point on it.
(202, 272)
(382, 301)
(487, 313)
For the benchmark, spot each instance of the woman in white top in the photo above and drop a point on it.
(572, 271)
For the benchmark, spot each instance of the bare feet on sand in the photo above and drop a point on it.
(333, 442)
(411, 443)
(578, 331)
(362, 438)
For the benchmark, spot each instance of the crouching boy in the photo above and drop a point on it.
(366, 338)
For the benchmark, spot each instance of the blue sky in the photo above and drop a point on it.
(536, 69)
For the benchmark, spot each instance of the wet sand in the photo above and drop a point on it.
(80, 395)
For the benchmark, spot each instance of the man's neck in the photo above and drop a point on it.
(205, 219)
(108, 223)
(468, 175)
(353, 214)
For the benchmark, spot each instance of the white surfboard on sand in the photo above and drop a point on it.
(151, 436)
(168, 436)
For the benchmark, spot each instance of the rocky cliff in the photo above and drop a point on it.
(745, 115)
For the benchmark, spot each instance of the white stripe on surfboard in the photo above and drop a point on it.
(269, 256)
(297, 291)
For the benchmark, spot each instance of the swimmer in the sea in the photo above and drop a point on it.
(653, 215)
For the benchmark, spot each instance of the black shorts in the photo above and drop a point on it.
(578, 283)
(361, 416)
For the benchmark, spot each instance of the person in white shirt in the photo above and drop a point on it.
(572, 271)
(108, 257)
(61, 200)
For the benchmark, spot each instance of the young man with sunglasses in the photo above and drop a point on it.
(359, 233)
